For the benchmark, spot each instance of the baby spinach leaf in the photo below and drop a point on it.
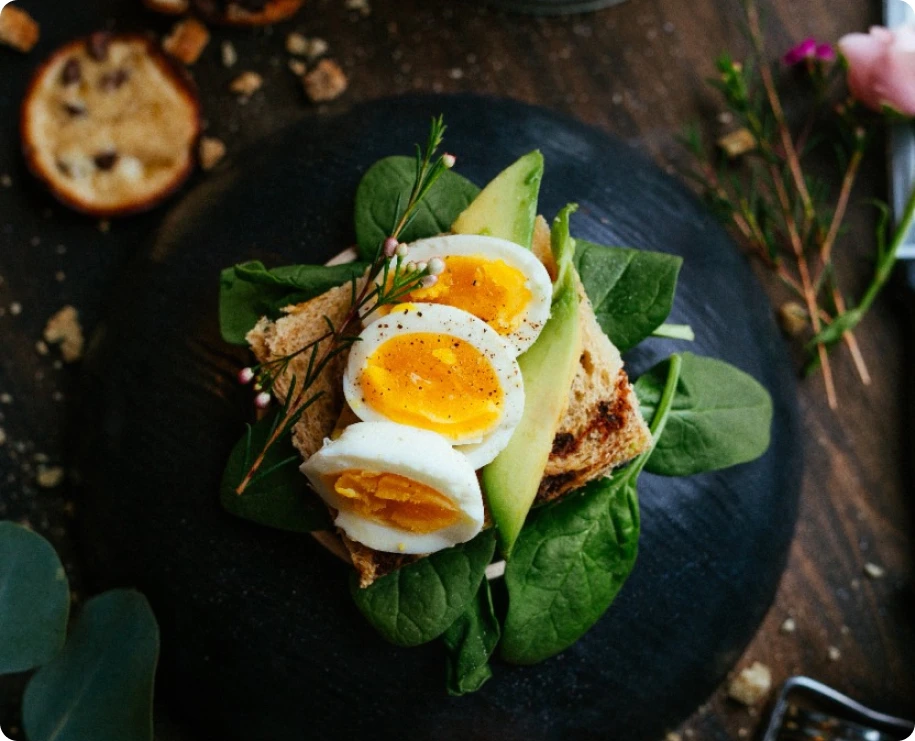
(470, 641)
(386, 187)
(280, 496)
(632, 291)
(249, 291)
(100, 686)
(418, 602)
(34, 600)
(720, 417)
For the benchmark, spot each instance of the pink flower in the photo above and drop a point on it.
(881, 67)
(809, 49)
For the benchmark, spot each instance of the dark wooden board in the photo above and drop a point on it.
(260, 636)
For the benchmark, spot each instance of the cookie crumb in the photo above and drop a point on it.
(6, 181)
(362, 6)
(246, 84)
(325, 82)
(50, 478)
(673, 737)
(41, 347)
(211, 152)
(187, 40)
(751, 685)
(15, 308)
(6, 398)
(64, 329)
(789, 626)
(229, 55)
(297, 44)
(18, 29)
(874, 571)
(60, 276)
(834, 653)
(298, 67)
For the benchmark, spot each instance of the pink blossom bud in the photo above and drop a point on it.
(390, 247)
(448, 160)
(436, 266)
(805, 50)
(402, 251)
(428, 281)
(245, 376)
(262, 400)
(826, 53)
(881, 68)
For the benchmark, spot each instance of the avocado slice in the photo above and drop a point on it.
(506, 207)
(512, 480)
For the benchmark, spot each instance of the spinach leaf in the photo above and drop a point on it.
(249, 291)
(418, 602)
(573, 557)
(279, 497)
(632, 291)
(100, 686)
(720, 417)
(386, 187)
(34, 600)
(470, 641)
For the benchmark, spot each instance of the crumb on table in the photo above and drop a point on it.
(246, 84)
(325, 82)
(18, 29)
(64, 329)
(212, 150)
(187, 40)
(751, 685)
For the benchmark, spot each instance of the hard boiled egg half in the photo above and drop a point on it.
(496, 280)
(440, 369)
(398, 489)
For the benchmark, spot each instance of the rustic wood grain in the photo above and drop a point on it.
(636, 70)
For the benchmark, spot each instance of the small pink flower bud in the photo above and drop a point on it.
(428, 281)
(402, 251)
(436, 266)
(448, 160)
(245, 376)
(390, 247)
(262, 400)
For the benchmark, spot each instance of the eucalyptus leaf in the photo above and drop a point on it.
(34, 600)
(420, 601)
(470, 641)
(632, 291)
(100, 687)
(249, 291)
(386, 187)
(720, 417)
(280, 496)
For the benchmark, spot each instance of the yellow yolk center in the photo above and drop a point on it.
(396, 500)
(433, 381)
(491, 290)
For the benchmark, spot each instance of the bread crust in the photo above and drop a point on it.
(235, 15)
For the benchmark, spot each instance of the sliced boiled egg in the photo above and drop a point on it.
(397, 489)
(496, 280)
(439, 369)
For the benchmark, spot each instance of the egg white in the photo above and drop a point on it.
(513, 255)
(440, 319)
(422, 456)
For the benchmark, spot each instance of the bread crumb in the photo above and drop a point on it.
(751, 685)
(737, 143)
(325, 82)
(834, 653)
(41, 347)
(63, 328)
(15, 308)
(297, 44)
(211, 152)
(229, 55)
(60, 276)
(361, 6)
(673, 737)
(874, 571)
(298, 67)
(187, 40)
(6, 398)
(742, 732)
(246, 84)
(789, 626)
(50, 478)
(18, 29)
(6, 181)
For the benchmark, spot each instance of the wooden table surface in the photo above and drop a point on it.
(636, 70)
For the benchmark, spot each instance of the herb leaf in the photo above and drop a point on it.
(470, 642)
(100, 686)
(34, 600)
(417, 603)
(720, 417)
(249, 291)
(389, 183)
(279, 499)
(632, 290)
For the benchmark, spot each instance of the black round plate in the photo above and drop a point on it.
(260, 637)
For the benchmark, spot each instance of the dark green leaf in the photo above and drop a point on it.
(100, 687)
(389, 182)
(720, 417)
(632, 290)
(249, 291)
(567, 567)
(418, 602)
(470, 641)
(281, 499)
(34, 600)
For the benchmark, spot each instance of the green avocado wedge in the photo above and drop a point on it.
(512, 480)
(507, 207)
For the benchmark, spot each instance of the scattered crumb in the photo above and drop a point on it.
(229, 55)
(15, 308)
(297, 44)
(737, 143)
(325, 82)
(742, 732)
(18, 29)
(6, 398)
(246, 84)
(317, 47)
(298, 67)
(751, 685)
(6, 181)
(359, 5)
(834, 653)
(41, 347)
(64, 328)
(211, 152)
(187, 40)
(673, 737)
(2, 436)
(874, 571)
(789, 626)
(49, 478)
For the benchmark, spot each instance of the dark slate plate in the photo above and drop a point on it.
(260, 638)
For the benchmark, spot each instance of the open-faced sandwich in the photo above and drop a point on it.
(454, 389)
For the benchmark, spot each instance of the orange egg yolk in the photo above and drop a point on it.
(491, 290)
(396, 500)
(435, 382)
